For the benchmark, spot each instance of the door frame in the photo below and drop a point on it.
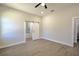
(74, 29)
(25, 31)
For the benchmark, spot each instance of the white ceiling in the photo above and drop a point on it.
(30, 7)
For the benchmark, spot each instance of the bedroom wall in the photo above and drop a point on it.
(58, 26)
(12, 25)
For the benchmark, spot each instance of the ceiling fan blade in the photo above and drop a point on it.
(45, 6)
(37, 5)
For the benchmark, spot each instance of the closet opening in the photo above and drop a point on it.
(32, 30)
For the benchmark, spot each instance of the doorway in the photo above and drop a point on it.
(32, 30)
(75, 29)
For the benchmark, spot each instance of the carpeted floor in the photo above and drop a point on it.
(40, 47)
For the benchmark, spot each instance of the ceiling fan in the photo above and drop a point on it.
(42, 4)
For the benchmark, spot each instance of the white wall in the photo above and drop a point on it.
(12, 25)
(58, 26)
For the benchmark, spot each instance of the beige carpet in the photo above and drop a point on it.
(40, 47)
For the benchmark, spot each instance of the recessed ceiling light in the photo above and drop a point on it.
(42, 12)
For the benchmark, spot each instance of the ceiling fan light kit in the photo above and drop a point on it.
(42, 4)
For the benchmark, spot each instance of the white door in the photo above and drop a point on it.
(35, 31)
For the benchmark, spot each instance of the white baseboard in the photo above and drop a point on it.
(57, 41)
(11, 44)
